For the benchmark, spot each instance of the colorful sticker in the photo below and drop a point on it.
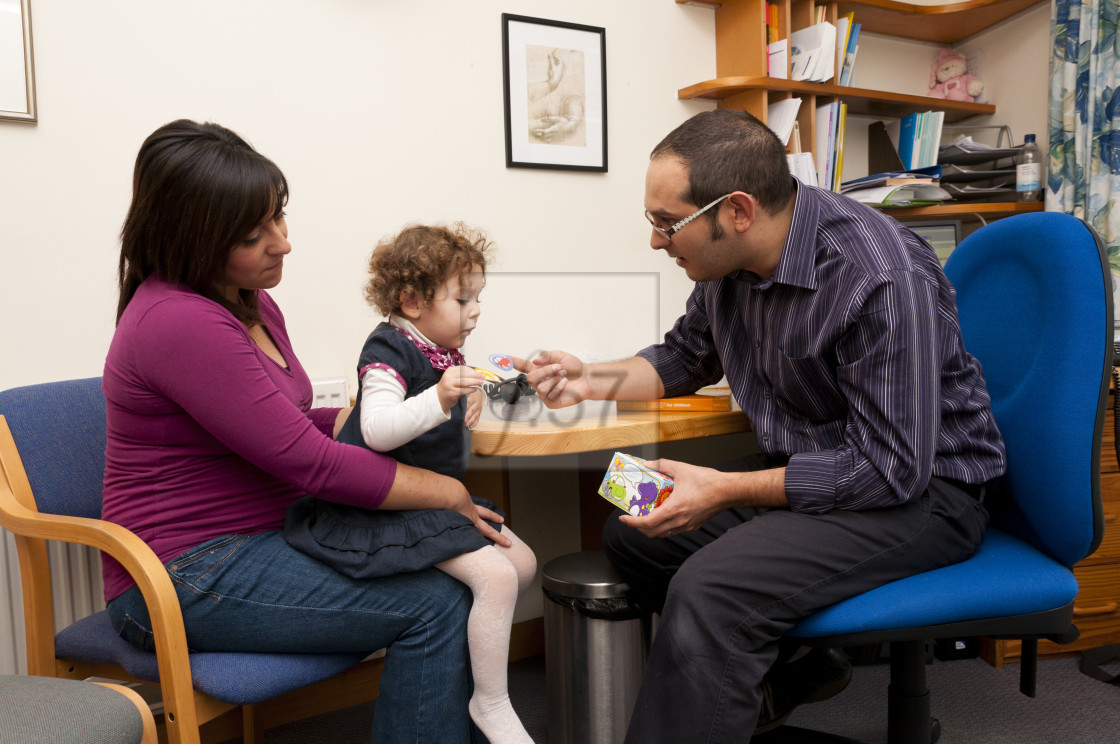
(633, 487)
(502, 362)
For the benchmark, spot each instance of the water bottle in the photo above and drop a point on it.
(1028, 171)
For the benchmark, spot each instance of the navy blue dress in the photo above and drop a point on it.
(364, 543)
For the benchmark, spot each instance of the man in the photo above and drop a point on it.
(837, 331)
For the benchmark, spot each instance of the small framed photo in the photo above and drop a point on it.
(17, 69)
(555, 76)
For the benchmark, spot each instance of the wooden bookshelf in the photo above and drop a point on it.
(742, 82)
(860, 101)
(978, 210)
(947, 23)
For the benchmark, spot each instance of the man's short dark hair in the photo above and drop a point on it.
(728, 151)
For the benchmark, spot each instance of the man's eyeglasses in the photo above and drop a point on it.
(668, 233)
(509, 390)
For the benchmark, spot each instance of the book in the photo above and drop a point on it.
(850, 55)
(696, 402)
(771, 22)
(930, 139)
(908, 127)
(843, 26)
(633, 486)
(838, 168)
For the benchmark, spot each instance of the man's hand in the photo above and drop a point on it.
(699, 492)
(456, 382)
(559, 378)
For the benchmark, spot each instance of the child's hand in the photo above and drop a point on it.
(456, 382)
(475, 401)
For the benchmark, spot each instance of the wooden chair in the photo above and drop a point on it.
(52, 460)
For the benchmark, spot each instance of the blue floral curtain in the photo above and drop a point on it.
(1084, 157)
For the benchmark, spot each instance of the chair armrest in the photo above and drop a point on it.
(19, 516)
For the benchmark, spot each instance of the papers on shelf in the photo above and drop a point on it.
(910, 195)
(781, 116)
(778, 61)
(965, 151)
(959, 173)
(1000, 188)
(812, 53)
(893, 178)
(803, 168)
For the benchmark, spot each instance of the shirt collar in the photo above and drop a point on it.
(440, 357)
(798, 261)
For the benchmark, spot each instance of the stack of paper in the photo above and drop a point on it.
(812, 53)
(965, 151)
(802, 167)
(781, 116)
(929, 175)
(910, 195)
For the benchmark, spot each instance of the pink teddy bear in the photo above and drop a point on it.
(949, 78)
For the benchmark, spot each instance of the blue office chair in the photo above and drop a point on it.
(1034, 294)
(52, 461)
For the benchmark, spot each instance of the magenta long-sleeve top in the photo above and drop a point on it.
(208, 436)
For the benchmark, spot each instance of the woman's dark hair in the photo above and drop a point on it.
(728, 151)
(197, 191)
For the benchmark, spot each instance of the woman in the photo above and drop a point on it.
(211, 436)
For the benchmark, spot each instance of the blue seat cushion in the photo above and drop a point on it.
(236, 678)
(1005, 577)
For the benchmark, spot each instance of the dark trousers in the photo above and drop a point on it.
(728, 592)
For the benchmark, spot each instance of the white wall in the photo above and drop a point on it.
(380, 113)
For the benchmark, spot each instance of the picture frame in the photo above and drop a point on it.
(555, 77)
(17, 66)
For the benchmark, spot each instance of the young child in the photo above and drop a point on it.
(412, 404)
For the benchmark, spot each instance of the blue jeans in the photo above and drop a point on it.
(256, 593)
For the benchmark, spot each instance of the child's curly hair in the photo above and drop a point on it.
(419, 259)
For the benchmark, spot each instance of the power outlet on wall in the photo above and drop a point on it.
(330, 393)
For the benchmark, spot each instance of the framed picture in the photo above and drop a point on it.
(17, 71)
(555, 94)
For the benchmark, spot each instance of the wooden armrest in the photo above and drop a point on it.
(19, 516)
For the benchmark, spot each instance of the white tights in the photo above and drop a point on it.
(496, 576)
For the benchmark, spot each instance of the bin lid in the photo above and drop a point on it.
(585, 575)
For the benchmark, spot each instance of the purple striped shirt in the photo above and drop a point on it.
(848, 360)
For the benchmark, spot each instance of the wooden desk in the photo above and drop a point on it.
(503, 440)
